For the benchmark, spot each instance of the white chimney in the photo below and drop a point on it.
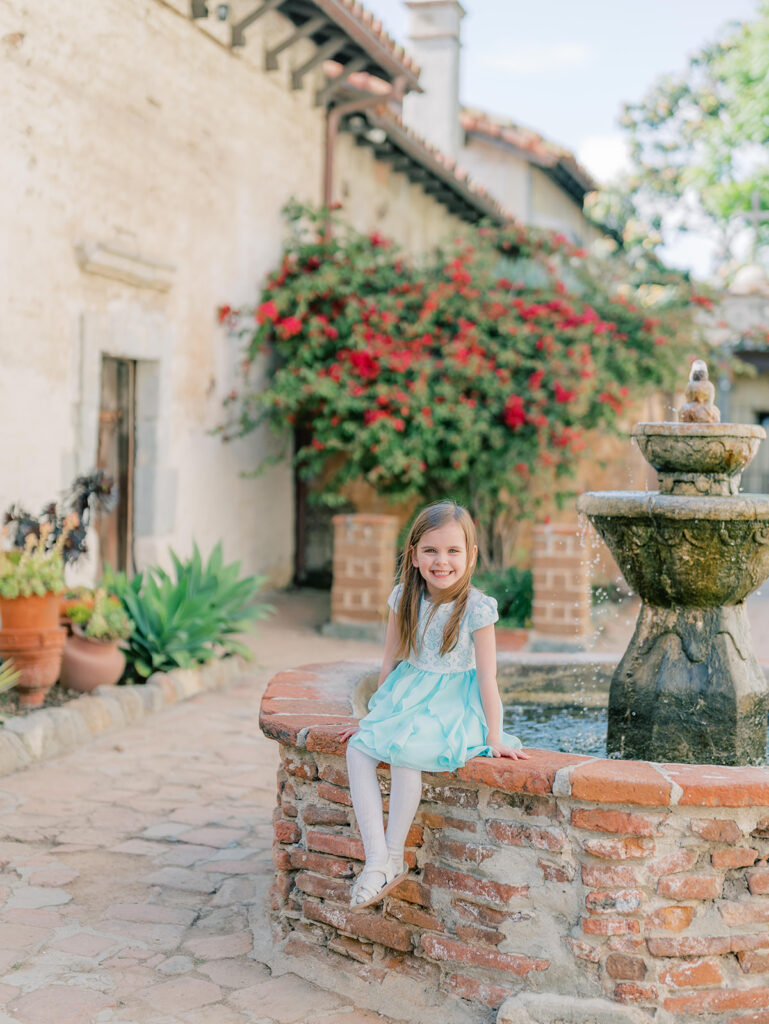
(433, 42)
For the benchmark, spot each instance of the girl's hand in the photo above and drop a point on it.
(500, 750)
(344, 734)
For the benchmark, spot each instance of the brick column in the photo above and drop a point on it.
(364, 569)
(561, 583)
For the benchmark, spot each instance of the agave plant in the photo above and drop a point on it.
(187, 617)
(8, 675)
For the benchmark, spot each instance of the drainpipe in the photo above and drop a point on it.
(333, 120)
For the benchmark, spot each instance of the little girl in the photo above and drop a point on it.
(433, 710)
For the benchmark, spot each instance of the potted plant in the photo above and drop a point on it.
(31, 579)
(72, 597)
(92, 655)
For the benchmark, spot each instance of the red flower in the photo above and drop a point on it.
(563, 395)
(223, 313)
(365, 364)
(399, 425)
(536, 379)
(513, 413)
(379, 241)
(267, 311)
(290, 327)
(372, 415)
(317, 445)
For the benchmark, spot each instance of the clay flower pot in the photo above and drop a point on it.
(36, 654)
(88, 663)
(33, 612)
(509, 639)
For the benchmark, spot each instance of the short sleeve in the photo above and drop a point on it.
(395, 597)
(483, 612)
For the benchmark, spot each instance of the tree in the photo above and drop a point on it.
(698, 145)
(472, 375)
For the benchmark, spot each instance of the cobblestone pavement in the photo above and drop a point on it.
(134, 873)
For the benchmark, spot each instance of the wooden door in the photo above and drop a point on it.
(115, 454)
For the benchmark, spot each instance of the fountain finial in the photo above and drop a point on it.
(700, 393)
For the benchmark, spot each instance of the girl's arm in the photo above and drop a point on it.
(486, 664)
(388, 664)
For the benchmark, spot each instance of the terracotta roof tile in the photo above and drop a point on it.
(373, 25)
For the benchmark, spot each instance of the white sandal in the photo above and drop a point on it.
(368, 890)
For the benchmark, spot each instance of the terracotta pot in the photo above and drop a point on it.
(88, 663)
(34, 612)
(36, 654)
(511, 639)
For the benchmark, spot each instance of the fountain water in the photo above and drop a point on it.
(689, 687)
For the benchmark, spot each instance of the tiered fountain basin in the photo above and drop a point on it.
(568, 888)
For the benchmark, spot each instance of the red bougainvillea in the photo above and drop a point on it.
(473, 375)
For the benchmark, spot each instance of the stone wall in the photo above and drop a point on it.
(636, 887)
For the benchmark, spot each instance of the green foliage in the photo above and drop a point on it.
(32, 570)
(698, 143)
(514, 592)
(104, 619)
(8, 675)
(473, 375)
(187, 617)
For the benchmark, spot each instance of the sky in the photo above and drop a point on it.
(565, 68)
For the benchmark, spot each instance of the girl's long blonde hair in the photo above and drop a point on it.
(414, 586)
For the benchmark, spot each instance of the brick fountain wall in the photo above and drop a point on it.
(626, 890)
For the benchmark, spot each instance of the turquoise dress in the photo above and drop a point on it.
(427, 714)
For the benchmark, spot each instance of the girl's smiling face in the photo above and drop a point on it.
(441, 557)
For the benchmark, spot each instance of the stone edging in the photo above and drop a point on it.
(32, 738)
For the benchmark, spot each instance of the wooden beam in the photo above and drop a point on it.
(331, 47)
(271, 56)
(324, 95)
(238, 37)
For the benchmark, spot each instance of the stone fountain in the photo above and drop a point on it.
(689, 687)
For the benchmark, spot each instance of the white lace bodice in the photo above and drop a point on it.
(481, 611)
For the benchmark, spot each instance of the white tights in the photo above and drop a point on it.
(405, 794)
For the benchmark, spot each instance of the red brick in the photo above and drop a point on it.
(626, 968)
(368, 926)
(287, 832)
(410, 914)
(737, 857)
(290, 810)
(758, 882)
(362, 952)
(694, 974)
(440, 948)
(478, 991)
(456, 881)
(414, 892)
(628, 992)
(556, 872)
(469, 853)
(609, 925)
(312, 814)
(712, 1002)
(689, 887)
(716, 830)
(720, 786)
(620, 822)
(335, 843)
(333, 867)
(415, 836)
(624, 901)
(335, 794)
(527, 803)
(597, 875)
(336, 776)
(525, 835)
(689, 945)
(281, 858)
(762, 829)
(584, 951)
(734, 913)
(471, 933)
(753, 963)
(283, 883)
(741, 943)
(671, 919)
(300, 767)
(620, 782)
(761, 1017)
(323, 888)
(619, 849)
(681, 860)
(437, 821)
(624, 943)
(426, 973)
(453, 796)
(476, 914)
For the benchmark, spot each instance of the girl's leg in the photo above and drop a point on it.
(405, 794)
(367, 804)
